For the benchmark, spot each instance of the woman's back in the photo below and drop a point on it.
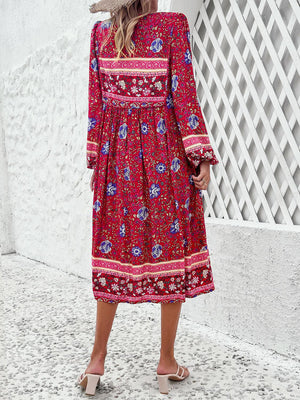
(146, 136)
(144, 77)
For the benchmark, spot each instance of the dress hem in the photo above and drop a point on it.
(108, 298)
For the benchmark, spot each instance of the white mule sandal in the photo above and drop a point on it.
(89, 382)
(163, 379)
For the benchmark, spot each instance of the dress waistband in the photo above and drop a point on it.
(132, 104)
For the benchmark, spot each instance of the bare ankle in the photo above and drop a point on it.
(98, 355)
(167, 358)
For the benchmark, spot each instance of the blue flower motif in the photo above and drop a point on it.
(104, 106)
(190, 216)
(141, 154)
(170, 103)
(123, 131)
(193, 121)
(127, 173)
(188, 57)
(191, 179)
(106, 24)
(175, 164)
(136, 251)
(144, 128)
(154, 190)
(188, 35)
(97, 205)
(111, 189)
(185, 242)
(122, 230)
(160, 168)
(129, 111)
(94, 64)
(143, 213)
(125, 209)
(187, 203)
(204, 248)
(105, 148)
(92, 123)
(176, 204)
(156, 251)
(117, 169)
(175, 226)
(161, 126)
(156, 45)
(105, 246)
(174, 83)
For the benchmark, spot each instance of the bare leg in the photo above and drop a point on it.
(105, 318)
(170, 313)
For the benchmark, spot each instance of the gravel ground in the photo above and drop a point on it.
(47, 332)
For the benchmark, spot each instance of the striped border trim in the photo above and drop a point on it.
(160, 268)
(92, 147)
(133, 98)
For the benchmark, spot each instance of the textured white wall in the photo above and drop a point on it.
(29, 25)
(44, 117)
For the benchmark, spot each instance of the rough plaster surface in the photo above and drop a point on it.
(45, 122)
(48, 333)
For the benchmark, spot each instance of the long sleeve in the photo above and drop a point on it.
(186, 106)
(94, 102)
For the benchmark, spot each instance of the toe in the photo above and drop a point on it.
(186, 372)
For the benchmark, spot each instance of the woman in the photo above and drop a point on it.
(151, 155)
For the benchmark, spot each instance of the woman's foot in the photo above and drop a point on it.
(170, 367)
(96, 364)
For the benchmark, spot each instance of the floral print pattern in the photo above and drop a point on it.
(146, 137)
(124, 86)
(156, 45)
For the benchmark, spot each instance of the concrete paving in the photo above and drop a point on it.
(47, 333)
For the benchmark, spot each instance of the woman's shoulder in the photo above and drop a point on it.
(169, 15)
(102, 25)
(169, 19)
(172, 18)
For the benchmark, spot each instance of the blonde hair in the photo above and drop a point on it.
(125, 20)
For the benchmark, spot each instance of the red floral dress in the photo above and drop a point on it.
(146, 137)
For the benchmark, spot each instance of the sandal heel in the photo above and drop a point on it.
(163, 384)
(92, 381)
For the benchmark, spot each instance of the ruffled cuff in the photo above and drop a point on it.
(91, 162)
(202, 154)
